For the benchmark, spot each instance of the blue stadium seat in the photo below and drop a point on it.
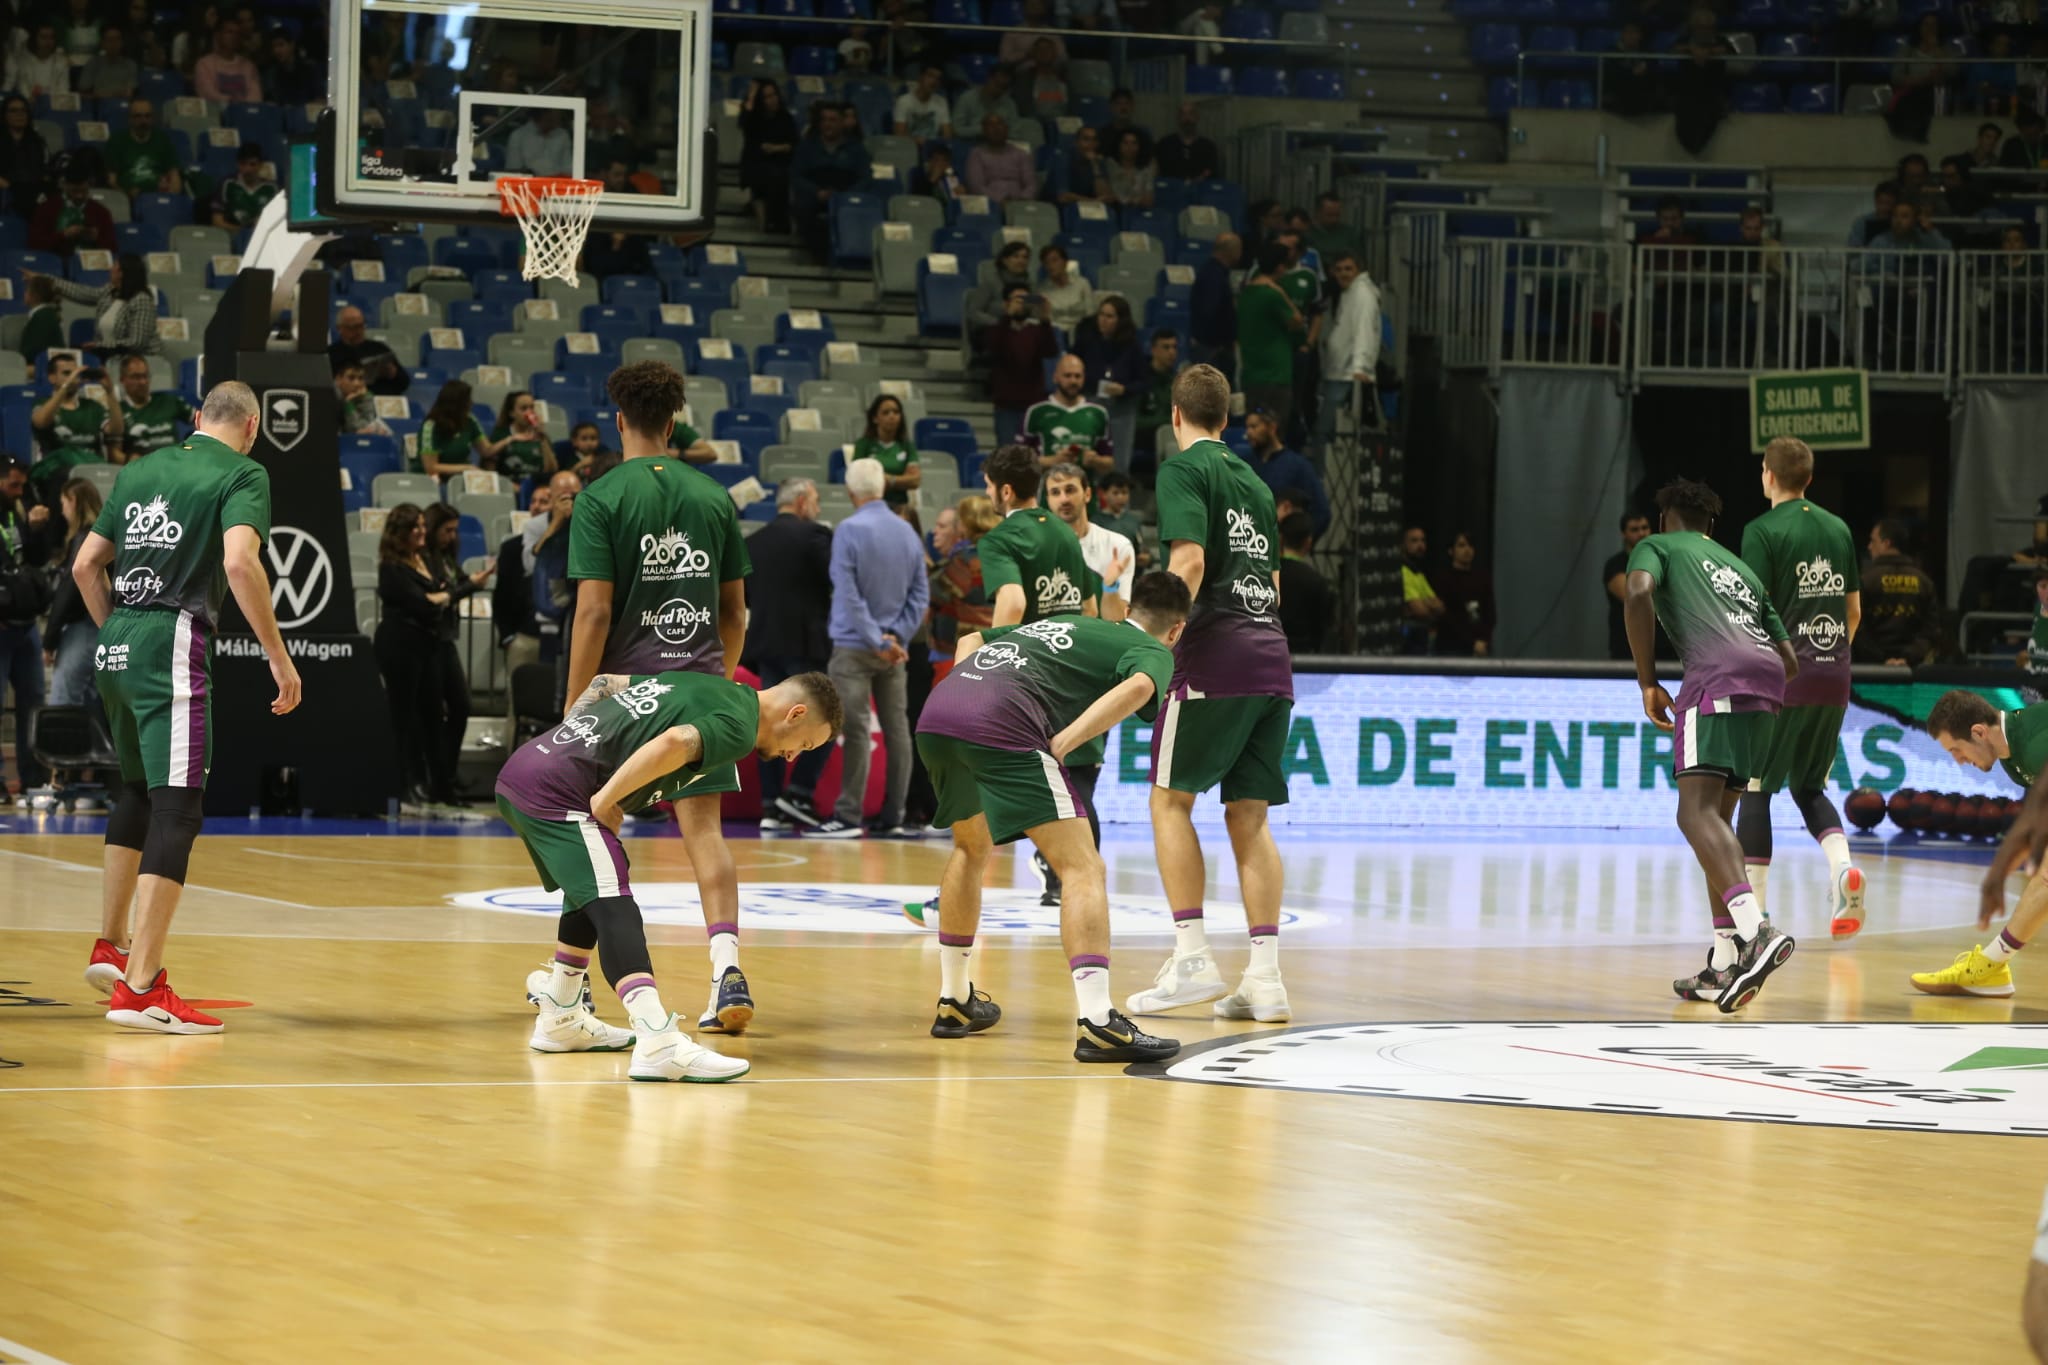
(854, 218)
(750, 427)
(1320, 83)
(565, 390)
(1756, 97)
(365, 457)
(401, 252)
(1503, 93)
(946, 435)
(162, 211)
(1243, 21)
(593, 370)
(139, 238)
(1154, 222)
(1555, 38)
(812, 60)
(768, 405)
(1482, 11)
(1494, 46)
(1571, 94)
(501, 285)
(634, 291)
(789, 334)
(479, 317)
(600, 317)
(1810, 98)
(732, 373)
(705, 295)
(1533, 11)
(1167, 313)
(1584, 12)
(939, 301)
(957, 13)
(729, 474)
(470, 541)
(1757, 14)
(969, 246)
(792, 358)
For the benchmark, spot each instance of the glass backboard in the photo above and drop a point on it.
(434, 101)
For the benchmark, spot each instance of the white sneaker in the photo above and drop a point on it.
(668, 1054)
(1260, 996)
(577, 1031)
(538, 981)
(1186, 979)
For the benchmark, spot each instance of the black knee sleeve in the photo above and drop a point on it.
(174, 820)
(577, 930)
(128, 822)
(1821, 815)
(1753, 825)
(1085, 778)
(621, 938)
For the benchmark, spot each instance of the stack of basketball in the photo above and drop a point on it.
(1946, 814)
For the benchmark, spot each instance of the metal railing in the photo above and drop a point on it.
(2002, 315)
(1857, 85)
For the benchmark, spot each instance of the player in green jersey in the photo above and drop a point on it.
(660, 569)
(151, 420)
(176, 526)
(627, 743)
(1977, 734)
(1806, 560)
(1737, 662)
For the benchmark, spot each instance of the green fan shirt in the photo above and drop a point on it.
(155, 424)
(521, 459)
(75, 437)
(457, 447)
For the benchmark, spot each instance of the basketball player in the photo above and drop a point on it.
(175, 525)
(1977, 734)
(1110, 560)
(1018, 701)
(1806, 560)
(1225, 724)
(626, 743)
(1737, 661)
(661, 569)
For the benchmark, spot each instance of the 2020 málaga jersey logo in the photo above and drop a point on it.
(669, 556)
(1727, 583)
(1932, 1078)
(642, 698)
(1057, 634)
(1818, 578)
(1245, 536)
(148, 526)
(1057, 593)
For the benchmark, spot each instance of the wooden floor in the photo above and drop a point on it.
(371, 1165)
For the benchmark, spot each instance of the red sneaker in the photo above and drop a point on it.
(158, 1009)
(109, 964)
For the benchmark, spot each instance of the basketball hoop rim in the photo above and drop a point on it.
(520, 195)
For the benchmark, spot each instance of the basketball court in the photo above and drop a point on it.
(1445, 1157)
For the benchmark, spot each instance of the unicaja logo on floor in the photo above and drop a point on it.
(1931, 1078)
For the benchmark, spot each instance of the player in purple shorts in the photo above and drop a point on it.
(1737, 660)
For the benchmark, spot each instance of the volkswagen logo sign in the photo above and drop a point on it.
(302, 577)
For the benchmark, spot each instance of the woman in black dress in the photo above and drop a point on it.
(770, 133)
(23, 158)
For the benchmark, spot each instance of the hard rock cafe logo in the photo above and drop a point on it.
(676, 622)
(1001, 654)
(1256, 593)
(578, 729)
(1823, 632)
(138, 585)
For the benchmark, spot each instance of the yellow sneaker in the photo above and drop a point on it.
(1971, 973)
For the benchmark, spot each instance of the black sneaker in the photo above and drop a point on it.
(1770, 949)
(1705, 986)
(798, 812)
(732, 1007)
(957, 1020)
(1119, 1040)
(834, 829)
(1048, 879)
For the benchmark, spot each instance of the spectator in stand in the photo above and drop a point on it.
(355, 346)
(935, 177)
(830, 158)
(416, 601)
(225, 75)
(1923, 68)
(922, 111)
(992, 96)
(2027, 148)
(687, 443)
(26, 533)
(1421, 608)
(1065, 289)
(1671, 229)
(1065, 427)
(1329, 236)
(1350, 346)
(23, 158)
(1116, 369)
(1984, 151)
(1129, 179)
(999, 169)
(1635, 85)
(1468, 620)
(1908, 233)
(1187, 155)
(617, 253)
(1016, 349)
(141, 159)
(124, 309)
(69, 635)
(879, 595)
(1269, 328)
(358, 405)
(1087, 172)
(1113, 510)
(541, 145)
(856, 53)
(111, 74)
(242, 197)
(1994, 85)
(1959, 197)
(986, 303)
(524, 450)
(1205, 21)
(586, 446)
(1045, 90)
(70, 218)
(1212, 309)
(769, 130)
(608, 134)
(1282, 469)
(1123, 119)
(196, 37)
(1307, 606)
(1902, 616)
(41, 67)
(79, 423)
(1911, 173)
(541, 531)
(1879, 220)
(44, 329)
(1020, 48)
(288, 78)
(1091, 15)
(150, 418)
(452, 440)
(1700, 84)
(789, 603)
(1155, 398)
(1614, 581)
(886, 441)
(512, 616)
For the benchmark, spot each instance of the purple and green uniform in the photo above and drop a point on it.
(986, 732)
(1226, 721)
(545, 787)
(665, 537)
(2026, 735)
(1725, 628)
(168, 516)
(1806, 560)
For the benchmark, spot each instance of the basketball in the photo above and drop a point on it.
(1969, 814)
(1941, 815)
(1900, 807)
(1865, 808)
(1922, 811)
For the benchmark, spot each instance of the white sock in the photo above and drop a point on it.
(1836, 846)
(644, 1008)
(954, 981)
(565, 987)
(1091, 993)
(1190, 936)
(1747, 914)
(1723, 956)
(725, 952)
(1758, 874)
(1265, 953)
(2001, 949)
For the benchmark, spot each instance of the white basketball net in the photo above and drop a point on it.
(555, 217)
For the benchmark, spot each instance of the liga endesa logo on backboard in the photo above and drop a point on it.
(1933, 1078)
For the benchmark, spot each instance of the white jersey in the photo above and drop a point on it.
(1099, 548)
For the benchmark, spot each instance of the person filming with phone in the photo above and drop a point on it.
(77, 424)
